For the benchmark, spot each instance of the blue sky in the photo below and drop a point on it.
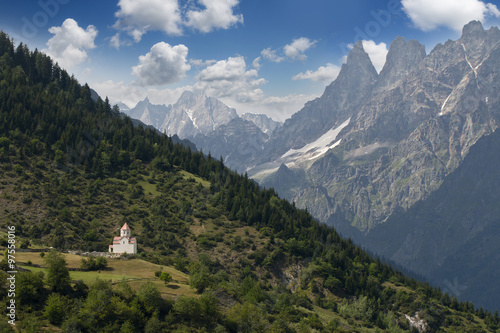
(261, 56)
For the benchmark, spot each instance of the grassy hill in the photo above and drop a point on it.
(72, 171)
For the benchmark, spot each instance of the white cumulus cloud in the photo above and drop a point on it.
(218, 14)
(231, 78)
(326, 73)
(70, 43)
(234, 68)
(162, 65)
(137, 17)
(298, 47)
(140, 16)
(430, 14)
(256, 63)
(271, 55)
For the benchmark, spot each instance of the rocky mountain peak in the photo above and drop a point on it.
(359, 60)
(355, 80)
(473, 29)
(357, 75)
(144, 102)
(190, 98)
(401, 59)
(477, 42)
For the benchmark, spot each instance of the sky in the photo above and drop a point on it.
(258, 56)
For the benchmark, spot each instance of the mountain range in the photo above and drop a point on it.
(210, 124)
(374, 144)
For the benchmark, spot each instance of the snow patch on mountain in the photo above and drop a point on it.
(317, 148)
(301, 158)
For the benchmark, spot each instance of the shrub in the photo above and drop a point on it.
(94, 264)
(165, 277)
(55, 309)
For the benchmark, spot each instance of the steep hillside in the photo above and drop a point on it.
(72, 170)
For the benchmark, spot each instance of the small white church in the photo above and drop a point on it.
(124, 243)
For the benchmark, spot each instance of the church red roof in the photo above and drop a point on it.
(116, 240)
(125, 227)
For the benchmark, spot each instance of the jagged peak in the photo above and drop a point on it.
(189, 96)
(357, 61)
(358, 55)
(402, 57)
(145, 101)
(358, 45)
(186, 94)
(400, 43)
(473, 28)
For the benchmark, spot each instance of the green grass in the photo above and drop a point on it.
(149, 189)
(186, 175)
(134, 271)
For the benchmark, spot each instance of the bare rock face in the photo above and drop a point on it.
(452, 236)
